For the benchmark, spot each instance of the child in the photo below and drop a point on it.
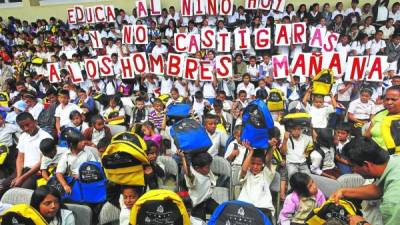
(236, 151)
(102, 145)
(319, 111)
(175, 97)
(323, 157)
(295, 145)
(304, 198)
(342, 137)
(51, 157)
(140, 113)
(115, 112)
(200, 181)
(200, 104)
(256, 179)
(246, 86)
(153, 171)
(71, 161)
(150, 134)
(242, 99)
(7, 131)
(77, 121)
(130, 195)
(253, 69)
(64, 110)
(157, 116)
(18, 107)
(97, 131)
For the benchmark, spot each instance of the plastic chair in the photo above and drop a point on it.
(170, 167)
(351, 180)
(221, 166)
(116, 129)
(275, 186)
(17, 196)
(109, 214)
(326, 185)
(82, 213)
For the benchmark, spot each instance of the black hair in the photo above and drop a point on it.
(201, 159)
(324, 137)
(246, 75)
(151, 144)
(47, 145)
(40, 194)
(218, 103)
(343, 126)
(138, 189)
(394, 87)
(198, 95)
(64, 92)
(242, 92)
(299, 184)
(363, 149)
(262, 94)
(259, 154)
(24, 116)
(139, 99)
(73, 114)
(209, 117)
(72, 136)
(95, 118)
(103, 143)
(367, 90)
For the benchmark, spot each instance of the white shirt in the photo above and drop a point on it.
(36, 110)
(158, 50)
(256, 189)
(320, 116)
(218, 139)
(69, 164)
(345, 96)
(383, 13)
(46, 161)
(341, 48)
(166, 85)
(387, 32)
(253, 71)
(208, 90)
(336, 12)
(67, 218)
(242, 152)
(63, 113)
(296, 150)
(201, 188)
(328, 160)
(29, 146)
(360, 110)
(375, 46)
(395, 16)
(249, 89)
(370, 30)
(6, 132)
(358, 47)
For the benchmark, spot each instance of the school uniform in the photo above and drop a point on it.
(375, 46)
(69, 163)
(249, 88)
(63, 113)
(238, 160)
(218, 140)
(325, 164)
(47, 162)
(295, 157)
(320, 116)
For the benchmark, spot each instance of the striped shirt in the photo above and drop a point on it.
(156, 118)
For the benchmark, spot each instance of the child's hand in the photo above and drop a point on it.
(286, 135)
(246, 144)
(273, 142)
(180, 153)
(67, 189)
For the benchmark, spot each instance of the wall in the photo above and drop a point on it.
(32, 9)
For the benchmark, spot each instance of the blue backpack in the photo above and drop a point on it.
(257, 121)
(238, 212)
(176, 112)
(190, 136)
(92, 181)
(74, 196)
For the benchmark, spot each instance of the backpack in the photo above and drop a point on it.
(4, 99)
(3, 153)
(330, 210)
(190, 136)
(74, 196)
(133, 138)
(257, 121)
(323, 82)
(238, 212)
(176, 112)
(22, 214)
(92, 182)
(123, 163)
(113, 114)
(390, 129)
(276, 100)
(159, 207)
(296, 119)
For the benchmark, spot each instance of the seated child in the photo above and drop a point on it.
(295, 145)
(71, 161)
(304, 198)
(342, 137)
(256, 178)
(153, 171)
(150, 134)
(51, 156)
(140, 113)
(157, 116)
(18, 107)
(102, 145)
(130, 194)
(97, 130)
(175, 97)
(77, 121)
(236, 151)
(200, 181)
(115, 113)
(200, 104)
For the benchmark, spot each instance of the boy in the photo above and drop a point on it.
(140, 113)
(319, 111)
(242, 98)
(246, 86)
(256, 178)
(200, 181)
(51, 156)
(102, 145)
(295, 145)
(6, 137)
(342, 137)
(236, 152)
(217, 137)
(97, 131)
(157, 116)
(64, 110)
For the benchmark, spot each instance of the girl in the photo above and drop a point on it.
(47, 201)
(115, 113)
(339, 10)
(360, 111)
(256, 179)
(129, 196)
(150, 134)
(304, 198)
(97, 131)
(153, 172)
(77, 121)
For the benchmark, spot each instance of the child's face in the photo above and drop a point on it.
(77, 120)
(113, 104)
(51, 154)
(146, 130)
(253, 61)
(152, 154)
(175, 95)
(246, 79)
(101, 150)
(295, 132)
(242, 97)
(99, 125)
(130, 197)
(256, 165)
(318, 102)
(158, 107)
(342, 135)
(312, 187)
(261, 83)
(140, 104)
(204, 170)
(63, 99)
(210, 125)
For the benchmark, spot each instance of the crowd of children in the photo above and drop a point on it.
(50, 129)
